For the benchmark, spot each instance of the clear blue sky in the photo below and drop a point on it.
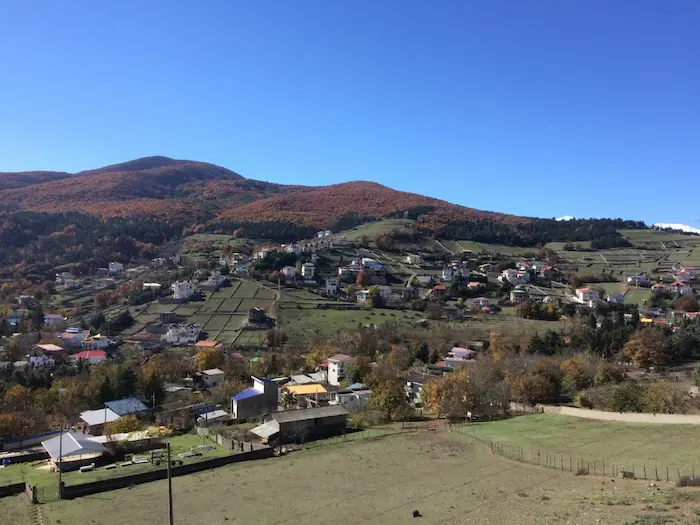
(537, 107)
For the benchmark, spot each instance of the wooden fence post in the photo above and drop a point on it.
(666, 472)
(569, 463)
(656, 471)
(645, 472)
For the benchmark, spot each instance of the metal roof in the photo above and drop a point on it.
(73, 444)
(245, 394)
(99, 416)
(123, 407)
(266, 429)
(214, 414)
(288, 416)
(306, 389)
(213, 372)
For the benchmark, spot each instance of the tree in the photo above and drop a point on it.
(102, 300)
(387, 390)
(123, 425)
(37, 318)
(423, 353)
(362, 279)
(209, 358)
(648, 347)
(106, 391)
(686, 303)
(13, 426)
(628, 398)
(663, 397)
(376, 299)
(17, 399)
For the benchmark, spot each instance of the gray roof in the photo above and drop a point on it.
(99, 416)
(74, 444)
(129, 405)
(288, 416)
(266, 429)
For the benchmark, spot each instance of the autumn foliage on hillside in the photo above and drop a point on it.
(27, 178)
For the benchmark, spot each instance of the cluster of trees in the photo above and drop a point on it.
(541, 231)
(535, 310)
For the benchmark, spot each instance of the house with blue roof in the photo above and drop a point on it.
(127, 406)
(256, 401)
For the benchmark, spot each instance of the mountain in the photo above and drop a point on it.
(27, 178)
(167, 188)
(679, 227)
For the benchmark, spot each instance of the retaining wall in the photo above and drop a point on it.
(624, 417)
(84, 489)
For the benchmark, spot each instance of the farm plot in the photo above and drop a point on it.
(216, 323)
(146, 318)
(157, 308)
(200, 319)
(468, 485)
(228, 291)
(210, 306)
(246, 290)
(264, 294)
(234, 322)
(227, 337)
(637, 295)
(186, 310)
(247, 304)
(229, 306)
(251, 337)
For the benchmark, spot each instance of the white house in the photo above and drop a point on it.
(261, 254)
(154, 287)
(332, 286)
(448, 274)
(424, 280)
(363, 296)
(180, 334)
(289, 272)
(684, 275)
(62, 277)
(175, 258)
(96, 342)
(115, 267)
(183, 290)
(514, 276)
(413, 259)
(616, 298)
(307, 271)
(52, 319)
(480, 302)
(212, 377)
(638, 280)
(587, 295)
(324, 233)
(292, 248)
(336, 368)
(72, 284)
(680, 287)
(41, 360)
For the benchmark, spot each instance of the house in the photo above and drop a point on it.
(294, 426)
(94, 421)
(364, 296)
(50, 351)
(638, 280)
(71, 450)
(52, 319)
(448, 274)
(158, 261)
(424, 280)
(352, 399)
(41, 359)
(414, 260)
(154, 287)
(214, 281)
(74, 337)
(480, 302)
(616, 298)
(292, 248)
(684, 275)
(72, 284)
(307, 271)
(289, 273)
(132, 273)
(452, 312)
(681, 288)
(438, 291)
(332, 285)
(212, 377)
(258, 318)
(182, 334)
(217, 416)
(461, 354)
(308, 394)
(206, 345)
(109, 283)
(62, 277)
(183, 290)
(414, 386)
(96, 342)
(336, 368)
(303, 379)
(514, 276)
(587, 295)
(659, 288)
(115, 267)
(407, 294)
(519, 295)
(92, 357)
(474, 285)
(256, 401)
(128, 406)
(349, 272)
(261, 253)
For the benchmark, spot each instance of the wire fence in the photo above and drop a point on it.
(581, 465)
(353, 436)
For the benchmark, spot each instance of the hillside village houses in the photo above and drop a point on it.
(324, 233)
(332, 286)
(616, 298)
(307, 271)
(289, 272)
(96, 342)
(514, 276)
(414, 259)
(336, 368)
(182, 334)
(294, 248)
(91, 357)
(115, 267)
(74, 337)
(52, 319)
(588, 296)
(448, 274)
(183, 290)
(424, 280)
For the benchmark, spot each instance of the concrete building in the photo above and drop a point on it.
(332, 286)
(183, 290)
(336, 368)
(115, 267)
(308, 271)
(212, 377)
(256, 401)
(96, 342)
(182, 334)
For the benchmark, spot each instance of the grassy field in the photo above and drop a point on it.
(382, 481)
(619, 444)
(312, 320)
(637, 295)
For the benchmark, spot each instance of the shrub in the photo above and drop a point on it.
(687, 481)
(581, 400)
(581, 472)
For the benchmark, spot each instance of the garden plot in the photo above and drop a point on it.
(229, 306)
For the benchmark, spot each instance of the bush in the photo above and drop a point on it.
(628, 397)
(687, 481)
(581, 472)
(581, 400)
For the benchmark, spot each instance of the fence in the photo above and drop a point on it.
(353, 436)
(582, 465)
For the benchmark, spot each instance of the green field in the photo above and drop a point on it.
(229, 305)
(312, 320)
(382, 481)
(250, 337)
(187, 310)
(621, 444)
(637, 295)
(216, 323)
(246, 290)
(210, 306)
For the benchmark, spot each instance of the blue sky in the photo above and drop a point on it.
(540, 107)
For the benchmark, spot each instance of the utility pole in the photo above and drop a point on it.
(170, 489)
(60, 453)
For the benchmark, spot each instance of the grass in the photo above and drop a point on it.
(229, 305)
(217, 322)
(311, 320)
(619, 444)
(15, 510)
(637, 295)
(246, 290)
(378, 481)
